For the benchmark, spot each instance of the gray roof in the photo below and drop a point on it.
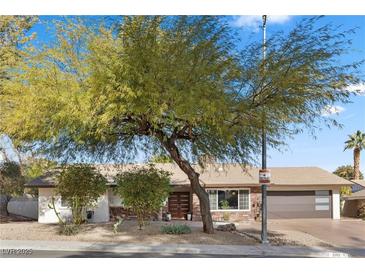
(46, 180)
(359, 182)
(222, 175)
(359, 195)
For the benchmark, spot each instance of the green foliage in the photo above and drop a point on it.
(356, 140)
(80, 186)
(173, 83)
(13, 34)
(176, 229)
(345, 191)
(36, 167)
(109, 92)
(11, 179)
(346, 172)
(160, 158)
(225, 205)
(69, 229)
(143, 190)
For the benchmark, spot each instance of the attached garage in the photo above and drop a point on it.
(299, 204)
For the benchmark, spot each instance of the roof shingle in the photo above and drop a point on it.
(221, 174)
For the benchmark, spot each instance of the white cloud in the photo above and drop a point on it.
(332, 110)
(255, 21)
(357, 88)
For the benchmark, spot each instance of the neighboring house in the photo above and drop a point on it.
(358, 185)
(354, 202)
(295, 192)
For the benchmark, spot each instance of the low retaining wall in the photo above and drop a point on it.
(24, 206)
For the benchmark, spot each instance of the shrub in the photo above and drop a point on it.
(80, 186)
(143, 190)
(69, 229)
(225, 206)
(176, 229)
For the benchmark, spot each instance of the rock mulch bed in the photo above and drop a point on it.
(129, 233)
(226, 227)
(284, 237)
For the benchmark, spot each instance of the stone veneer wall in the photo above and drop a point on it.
(253, 214)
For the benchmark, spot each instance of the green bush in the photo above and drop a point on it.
(143, 191)
(69, 229)
(175, 229)
(80, 185)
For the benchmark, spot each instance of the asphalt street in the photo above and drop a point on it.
(92, 254)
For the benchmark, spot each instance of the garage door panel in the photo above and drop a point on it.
(298, 204)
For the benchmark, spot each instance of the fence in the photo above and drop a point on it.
(24, 206)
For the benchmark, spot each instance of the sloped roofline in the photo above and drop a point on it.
(219, 174)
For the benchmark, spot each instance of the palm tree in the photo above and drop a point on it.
(356, 142)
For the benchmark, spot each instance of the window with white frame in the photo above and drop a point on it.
(229, 199)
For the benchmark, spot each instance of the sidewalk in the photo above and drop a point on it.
(237, 250)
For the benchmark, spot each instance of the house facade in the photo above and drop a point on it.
(234, 194)
(354, 204)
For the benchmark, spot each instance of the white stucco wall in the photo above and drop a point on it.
(336, 204)
(47, 215)
(24, 206)
(114, 200)
(101, 211)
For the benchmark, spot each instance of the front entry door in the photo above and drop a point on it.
(179, 204)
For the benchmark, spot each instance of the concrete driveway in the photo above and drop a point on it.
(344, 233)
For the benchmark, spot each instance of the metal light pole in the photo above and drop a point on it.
(264, 167)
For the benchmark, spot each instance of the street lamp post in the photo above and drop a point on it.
(264, 166)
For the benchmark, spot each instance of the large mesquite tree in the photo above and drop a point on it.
(178, 85)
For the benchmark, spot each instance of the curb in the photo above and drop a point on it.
(226, 250)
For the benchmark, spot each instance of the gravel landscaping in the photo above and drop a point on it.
(129, 233)
(247, 234)
(284, 237)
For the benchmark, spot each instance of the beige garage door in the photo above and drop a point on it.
(299, 204)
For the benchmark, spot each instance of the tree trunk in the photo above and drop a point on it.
(193, 176)
(356, 164)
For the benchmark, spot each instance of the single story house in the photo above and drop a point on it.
(356, 201)
(295, 192)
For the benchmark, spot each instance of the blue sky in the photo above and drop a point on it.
(326, 150)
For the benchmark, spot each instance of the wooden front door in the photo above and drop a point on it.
(179, 204)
